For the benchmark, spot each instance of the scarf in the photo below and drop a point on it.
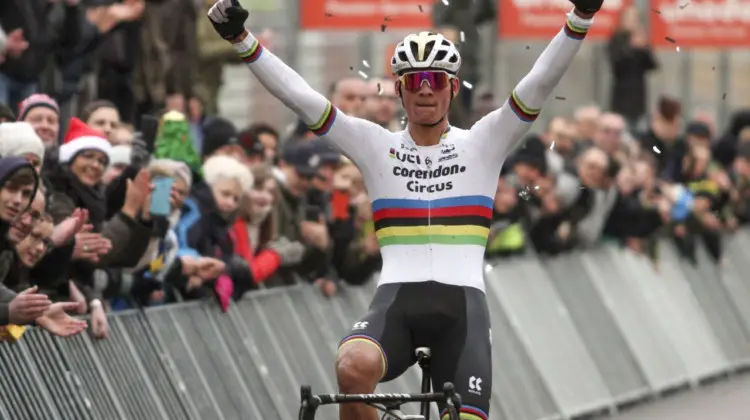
(90, 198)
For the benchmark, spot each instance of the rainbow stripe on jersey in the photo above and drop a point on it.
(447, 221)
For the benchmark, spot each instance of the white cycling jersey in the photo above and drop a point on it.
(432, 205)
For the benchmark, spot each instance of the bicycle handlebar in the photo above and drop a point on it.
(310, 402)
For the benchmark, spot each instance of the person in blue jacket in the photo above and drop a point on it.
(206, 224)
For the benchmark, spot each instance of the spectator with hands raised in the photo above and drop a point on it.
(29, 306)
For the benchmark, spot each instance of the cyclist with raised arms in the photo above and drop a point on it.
(432, 187)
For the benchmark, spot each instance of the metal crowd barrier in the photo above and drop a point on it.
(580, 334)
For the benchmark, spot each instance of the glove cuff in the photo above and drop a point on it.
(248, 48)
(578, 21)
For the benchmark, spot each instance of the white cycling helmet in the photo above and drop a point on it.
(425, 51)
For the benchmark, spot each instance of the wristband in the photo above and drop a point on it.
(249, 48)
(579, 21)
(96, 303)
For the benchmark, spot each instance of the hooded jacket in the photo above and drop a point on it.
(203, 231)
(9, 166)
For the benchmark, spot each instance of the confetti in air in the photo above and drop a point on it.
(463, 36)
(656, 11)
(552, 146)
(670, 40)
(525, 193)
(468, 85)
(527, 47)
(351, 68)
(724, 96)
(387, 19)
(365, 63)
(382, 28)
(677, 49)
(560, 98)
(329, 14)
(420, 8)
(363, 74)
(445, 2)
(536, 187)
(713, 68)
(684, 5)
(380, 89)
(656, 150)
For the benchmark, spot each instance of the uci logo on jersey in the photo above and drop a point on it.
(447, 148)
(404, 157)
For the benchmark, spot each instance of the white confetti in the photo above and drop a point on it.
(552, 146)
(445, 2)
(525, 193)
(678, 49)
(656, 150)
(463, 36)
(365, 63)
(363, 74)
(487, 268)
(468, 85)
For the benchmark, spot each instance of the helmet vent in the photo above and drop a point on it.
(402, 57)
(441, 55)
(453, 59)
(414, 49)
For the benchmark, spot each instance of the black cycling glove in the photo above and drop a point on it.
(587, 6)
(236, 17)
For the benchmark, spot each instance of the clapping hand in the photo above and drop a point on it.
(28, 306)
(210, 268)
(90, 246)
(137, 194)
(70, 227)
(59, 323)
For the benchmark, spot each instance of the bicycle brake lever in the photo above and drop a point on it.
(308, 405)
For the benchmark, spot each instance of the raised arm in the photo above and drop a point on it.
(355, 137)
(503, 128)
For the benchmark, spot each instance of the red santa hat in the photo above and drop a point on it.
(81, 137)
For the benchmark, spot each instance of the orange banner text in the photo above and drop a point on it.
(365, 14)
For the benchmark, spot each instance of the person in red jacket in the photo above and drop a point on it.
(253, 230)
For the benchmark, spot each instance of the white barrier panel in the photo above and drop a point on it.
(543, 324)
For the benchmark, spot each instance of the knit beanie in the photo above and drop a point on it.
(81, 137)
(35, 100)
(217, 133)
(19, 139)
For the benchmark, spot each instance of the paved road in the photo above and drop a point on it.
(724, 400)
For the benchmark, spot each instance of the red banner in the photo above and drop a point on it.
(700, 23)
(366, 14)
(542, 19)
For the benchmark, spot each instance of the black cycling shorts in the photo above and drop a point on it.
(453, 321)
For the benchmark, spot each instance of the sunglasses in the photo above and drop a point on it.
(437, 80)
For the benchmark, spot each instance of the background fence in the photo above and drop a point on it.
(707, 79)
(575, 335)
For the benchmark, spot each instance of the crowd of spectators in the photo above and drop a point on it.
(128, 192)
